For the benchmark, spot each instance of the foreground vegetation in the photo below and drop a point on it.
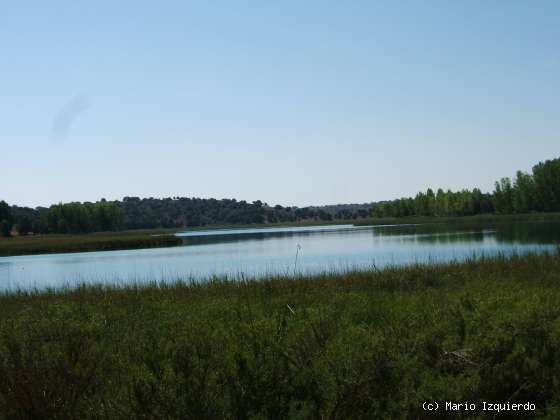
(360, 345)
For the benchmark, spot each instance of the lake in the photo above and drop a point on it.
(241, 253)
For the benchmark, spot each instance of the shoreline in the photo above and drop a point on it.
(161, 237)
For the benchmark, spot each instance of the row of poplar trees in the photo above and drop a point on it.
(538, 191)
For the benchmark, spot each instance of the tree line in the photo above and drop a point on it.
(61, 218)
(538, 191)
(535, 192)
(150, 213)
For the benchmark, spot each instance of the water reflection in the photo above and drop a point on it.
(517, 233)
(512, 233)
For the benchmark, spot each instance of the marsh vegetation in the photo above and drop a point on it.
(360, 345)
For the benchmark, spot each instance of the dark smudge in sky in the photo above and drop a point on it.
(67, 115)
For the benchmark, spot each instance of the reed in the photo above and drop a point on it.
(372, 344)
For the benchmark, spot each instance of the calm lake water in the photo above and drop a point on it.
(258, 252)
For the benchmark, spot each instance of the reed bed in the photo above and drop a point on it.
(373, 344)
(50, 244)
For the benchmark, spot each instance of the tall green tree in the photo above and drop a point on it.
(524, 198)
(6, 219)
(546, 177)
(503, 196)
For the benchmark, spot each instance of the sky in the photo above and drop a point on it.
(292, 102)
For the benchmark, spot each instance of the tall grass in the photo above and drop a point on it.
(355, 345)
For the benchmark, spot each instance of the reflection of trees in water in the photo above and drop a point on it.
(435, 238)
(525, 233)
(238, 237)
(451, 237)
(538, 232)
(436, 233)
(544, 233)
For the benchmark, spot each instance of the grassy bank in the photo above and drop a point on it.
(48, 244)
(106, 241)
(360, 345)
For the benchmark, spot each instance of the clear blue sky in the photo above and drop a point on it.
(291, 102)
